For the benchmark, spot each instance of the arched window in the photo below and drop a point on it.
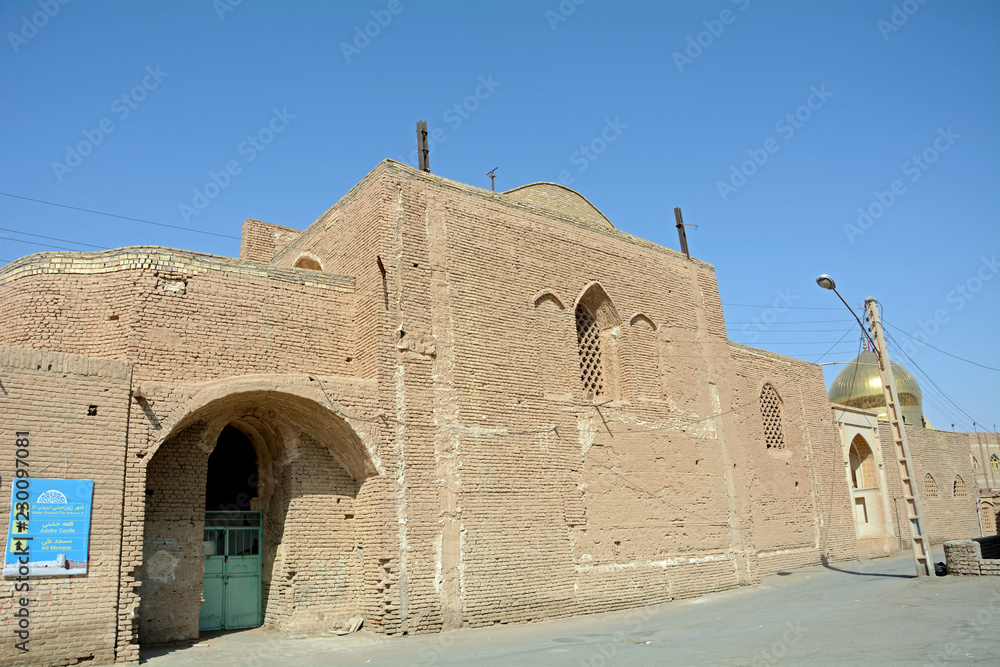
(975, 463)
(588, 338)
(597, 328)
(959, 490)
(770, 414)
(994, 462)
(863, 473)
(930, 486)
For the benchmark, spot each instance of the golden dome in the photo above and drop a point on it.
(860, 386)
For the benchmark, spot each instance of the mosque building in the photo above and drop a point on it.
(435, 407)
(859, 386)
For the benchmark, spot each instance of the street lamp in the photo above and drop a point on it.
(826, 282)
(919, 539)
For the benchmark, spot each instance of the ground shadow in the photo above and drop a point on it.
(826, 564)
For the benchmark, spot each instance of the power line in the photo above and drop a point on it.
(44, 245)
(121, 217)
(782, 331)
(969, 361)
(789, 322)
(899, 348)
(51, 238)
(757, 305)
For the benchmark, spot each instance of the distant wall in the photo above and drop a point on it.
(945, 456)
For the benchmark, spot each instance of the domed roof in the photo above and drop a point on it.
(560, 199)
(859, 385)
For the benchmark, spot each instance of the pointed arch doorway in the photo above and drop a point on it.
(231, 587)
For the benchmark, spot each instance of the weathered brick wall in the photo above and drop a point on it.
(172, 567)
(979, 556)
(984, 446)
(800, 498)
(48, 395)
(944, 455)
(178, 315)
(314, 571)
(494, 438)
(261, 241)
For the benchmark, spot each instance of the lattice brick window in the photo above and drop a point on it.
(770, 413)
(930, 486)
(589, 341)
(959, 490)
(994, 462)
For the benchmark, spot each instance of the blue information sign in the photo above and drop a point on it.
(49, 527)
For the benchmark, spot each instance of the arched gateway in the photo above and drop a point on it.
(252, 499)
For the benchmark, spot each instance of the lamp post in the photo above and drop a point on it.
(919, 540)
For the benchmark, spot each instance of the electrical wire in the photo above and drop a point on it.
(121, 217)
(757, 305)
(44, 245)
(923, 342)
(51, 238)
(897, 347)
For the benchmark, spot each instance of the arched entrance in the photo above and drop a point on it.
(866, 489)
(270, 466)
(231, 587)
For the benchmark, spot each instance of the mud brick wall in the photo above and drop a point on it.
(49, 395)
(800, 499)
(314, 560)
(180, 315)
(979, 556)
(945, 456)
(261, 241)
(172, 568)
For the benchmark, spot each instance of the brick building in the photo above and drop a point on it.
(437, 406)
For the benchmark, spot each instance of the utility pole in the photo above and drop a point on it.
(919, 539)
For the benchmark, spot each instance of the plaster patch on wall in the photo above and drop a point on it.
(162, 566)
(651, 564)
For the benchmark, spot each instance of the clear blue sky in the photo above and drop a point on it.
(834, 105)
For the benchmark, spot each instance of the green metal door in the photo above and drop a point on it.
(231, 586)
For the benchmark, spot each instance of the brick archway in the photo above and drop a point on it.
(316, 474)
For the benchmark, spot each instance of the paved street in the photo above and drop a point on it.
(873, 612)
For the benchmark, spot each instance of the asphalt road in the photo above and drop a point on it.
(872, 612)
